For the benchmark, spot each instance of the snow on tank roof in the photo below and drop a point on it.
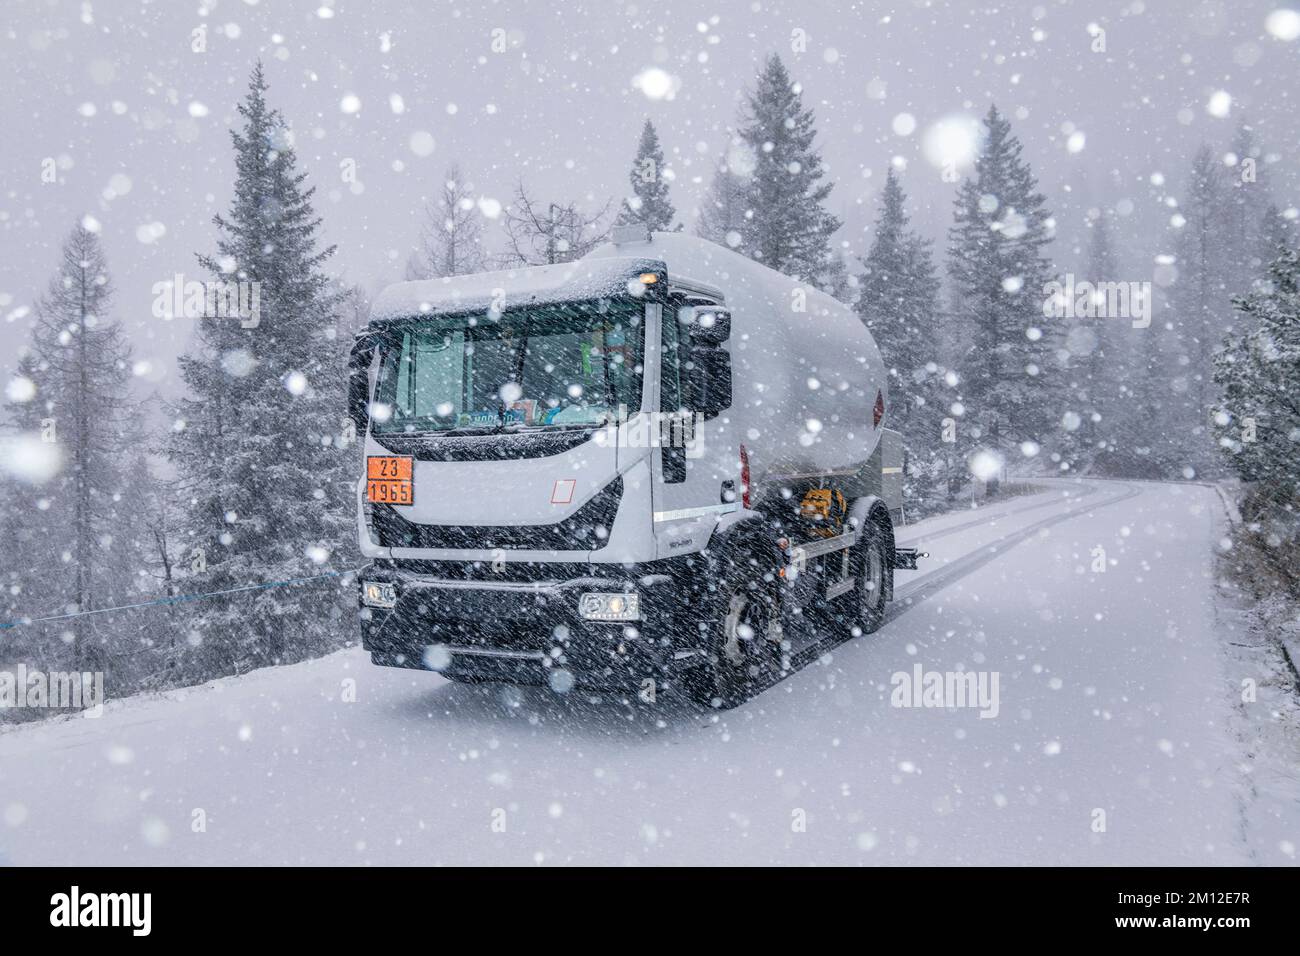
(749, 286)
(510, 288)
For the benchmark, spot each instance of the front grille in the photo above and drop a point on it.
(587, 529)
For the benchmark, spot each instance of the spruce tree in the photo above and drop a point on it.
(1148, 444)
(898, 300)
(1122, 378)
(1258, 421)
(1276, 234)
(722, 214)
(1099, 343)
(1200, 300)
(1093, 369)
(1247, 198)
(416, 268)
(836, 280)
(1258, 426)
(267, 490)
(649, 202)
(786, 226)
(999, 276)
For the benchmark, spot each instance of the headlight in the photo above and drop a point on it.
(610, 607)
(378, 594)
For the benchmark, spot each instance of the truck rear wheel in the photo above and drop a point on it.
(743, 648)
(871, 568)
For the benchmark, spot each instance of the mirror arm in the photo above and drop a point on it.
(358, 394)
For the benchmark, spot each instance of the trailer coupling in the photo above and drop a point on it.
(905, 558)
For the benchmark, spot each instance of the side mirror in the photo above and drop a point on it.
(707, 324)
(363, 352)
(709, 379)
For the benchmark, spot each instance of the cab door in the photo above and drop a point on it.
(696, 466)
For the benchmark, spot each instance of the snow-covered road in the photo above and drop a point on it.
(1113, 698)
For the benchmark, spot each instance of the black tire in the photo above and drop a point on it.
(871, 568)
(742, 636)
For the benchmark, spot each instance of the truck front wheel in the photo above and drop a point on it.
(742, 641)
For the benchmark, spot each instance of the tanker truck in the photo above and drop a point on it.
(661, 466)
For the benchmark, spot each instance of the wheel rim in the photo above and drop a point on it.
(874, 584)
(731, 628)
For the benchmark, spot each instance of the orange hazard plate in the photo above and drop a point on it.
(388, 480)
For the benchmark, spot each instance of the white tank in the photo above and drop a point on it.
(807, 377)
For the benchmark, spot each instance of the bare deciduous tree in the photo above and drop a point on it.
(85, 374)
(452, 241)
(545, 235)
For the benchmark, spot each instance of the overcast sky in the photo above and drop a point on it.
(137, 122)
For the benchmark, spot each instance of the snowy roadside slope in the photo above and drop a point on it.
(1112, 696)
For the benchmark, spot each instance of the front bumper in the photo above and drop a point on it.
(522, 632)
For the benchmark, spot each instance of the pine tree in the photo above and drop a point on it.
(999, 274)
(649, 202)
(452, 242)
(266, 489)
(786, 227)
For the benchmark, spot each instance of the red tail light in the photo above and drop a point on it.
(744, 477)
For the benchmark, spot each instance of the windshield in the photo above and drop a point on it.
(570, 364)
